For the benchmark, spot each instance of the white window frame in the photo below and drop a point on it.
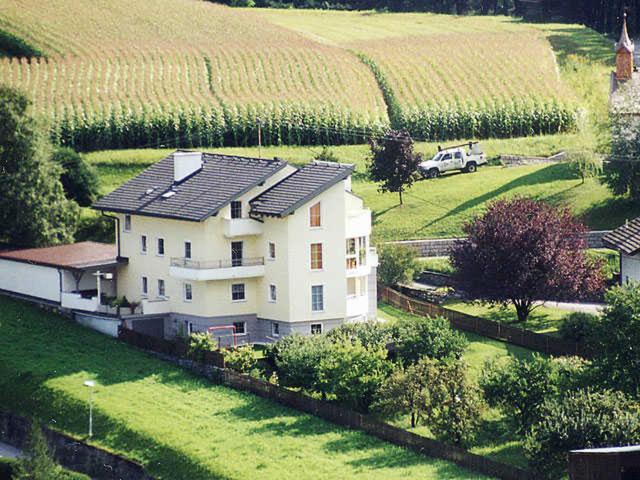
(126, 224)
(144, 244)
(244, 299)
(323, 298)
(244, 327)
(269, 257)
(231, 204)
(164, 247)
(321, 256)
(187, 287)
(190, 249)
(273, 293)
(144, 286)
(316, 324)
(275, 329)
(321, 215)
(164, 287)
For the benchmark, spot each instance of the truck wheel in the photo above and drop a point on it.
(471, 167)
(433, 173)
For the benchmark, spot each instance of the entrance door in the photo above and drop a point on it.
(236, 254)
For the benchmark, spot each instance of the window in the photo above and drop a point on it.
(236, 254)
(316, 328)
(143, 244)
(351, 287)
(188, 292)
(352, 259)
(273, 294)
(446, 156)
(237, 292)
(317, 298)
(189, 327)
(127, 223)
(316, 256)
(161, 291)
(161, 246)
(362, 250)
(187, 249)
(457, 156)
(272, 251)
(275, 329)
(240, 328)
(314, 216)
(236, 209)
(145, 286)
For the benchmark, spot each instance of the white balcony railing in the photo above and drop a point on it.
(240, 227)
(156, 306)
(358, 223)
(357, 269)
(357, 305)
(76, 301)
(188, 269)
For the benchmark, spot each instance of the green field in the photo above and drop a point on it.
(177, 425)
(187, 73)
(433, 208)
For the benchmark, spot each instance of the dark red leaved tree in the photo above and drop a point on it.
(522, 250)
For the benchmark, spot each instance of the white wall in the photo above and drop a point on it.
(27, 279)
(630, 268)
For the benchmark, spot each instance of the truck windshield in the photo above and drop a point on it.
(437, 158)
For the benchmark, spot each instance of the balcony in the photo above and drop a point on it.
(77, 301)
(357, 269)
(358, 223)
(203, 270)
(155, 307)
(240, 227)
(357, 305)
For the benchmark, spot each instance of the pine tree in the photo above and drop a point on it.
(36, 462)
(33, 209)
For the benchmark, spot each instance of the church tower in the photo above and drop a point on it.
(624, 54)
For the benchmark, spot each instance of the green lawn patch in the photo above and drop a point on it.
(436, 264)
(179, 426)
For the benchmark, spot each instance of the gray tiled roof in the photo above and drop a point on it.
(298, 188)
(625, 238)
(221, 179)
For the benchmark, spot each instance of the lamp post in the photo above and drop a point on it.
(91, 384)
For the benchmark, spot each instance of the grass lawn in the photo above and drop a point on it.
(179, 426)
(433, 208)
(542, 320)
(494, 438)
(436, 264)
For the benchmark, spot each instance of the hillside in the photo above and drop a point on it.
(188, 73)
(179, 426)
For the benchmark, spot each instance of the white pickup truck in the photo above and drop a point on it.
(466, 157)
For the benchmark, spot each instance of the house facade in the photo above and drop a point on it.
(626, 240)
(243, 247)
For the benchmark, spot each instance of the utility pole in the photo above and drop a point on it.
(259, 123)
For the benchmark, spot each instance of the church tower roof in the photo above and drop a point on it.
(625, 42)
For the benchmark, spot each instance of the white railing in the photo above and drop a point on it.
(358, 223)
(357, 305)
(236, 227)
(76, 301)
(156, 306)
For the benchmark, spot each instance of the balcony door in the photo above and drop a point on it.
(236, 254)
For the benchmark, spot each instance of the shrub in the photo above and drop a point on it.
(296, 359)
(198, 345)
(326, 155)
(580, 420)
(417, 337)
(241, 359)
(579, 327)
(368, 333)
(79, 179)
(97, 228)
(398, 264)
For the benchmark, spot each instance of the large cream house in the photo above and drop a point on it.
(234, 244)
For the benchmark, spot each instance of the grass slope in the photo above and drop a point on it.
(433, 208)
(177, 425)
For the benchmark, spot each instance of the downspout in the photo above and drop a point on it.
(60, 283)
(117, 230)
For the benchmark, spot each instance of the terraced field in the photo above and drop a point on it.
(186, 73)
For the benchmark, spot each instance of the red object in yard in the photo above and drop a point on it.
(225, 327)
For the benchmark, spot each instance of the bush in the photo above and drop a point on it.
(326, 155)
(368, 333)
(579, 327)
(97, 228)
(79, 179)
(580, 420)
(198, 345)
(296, 359)
(241, 359)
(398, 264)
(417, 337)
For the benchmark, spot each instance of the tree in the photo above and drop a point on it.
(326, 155)
(398, 265)
(36, 462)
(79, 180)
(524, 250)
(582, 419)
(296, 359)
(393, 162)
(585, 164)
(435, 393)
(416, 337)
(616, 338)
(33, 209)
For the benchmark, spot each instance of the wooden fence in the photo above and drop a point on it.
(487, 328)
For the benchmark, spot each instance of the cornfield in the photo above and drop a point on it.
(181, 73)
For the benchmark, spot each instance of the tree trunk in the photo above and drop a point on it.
(413, 419)
(523, 309)
(400, 193)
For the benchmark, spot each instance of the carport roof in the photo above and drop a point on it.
(74, 256)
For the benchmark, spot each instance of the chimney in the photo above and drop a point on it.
(185, 164)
